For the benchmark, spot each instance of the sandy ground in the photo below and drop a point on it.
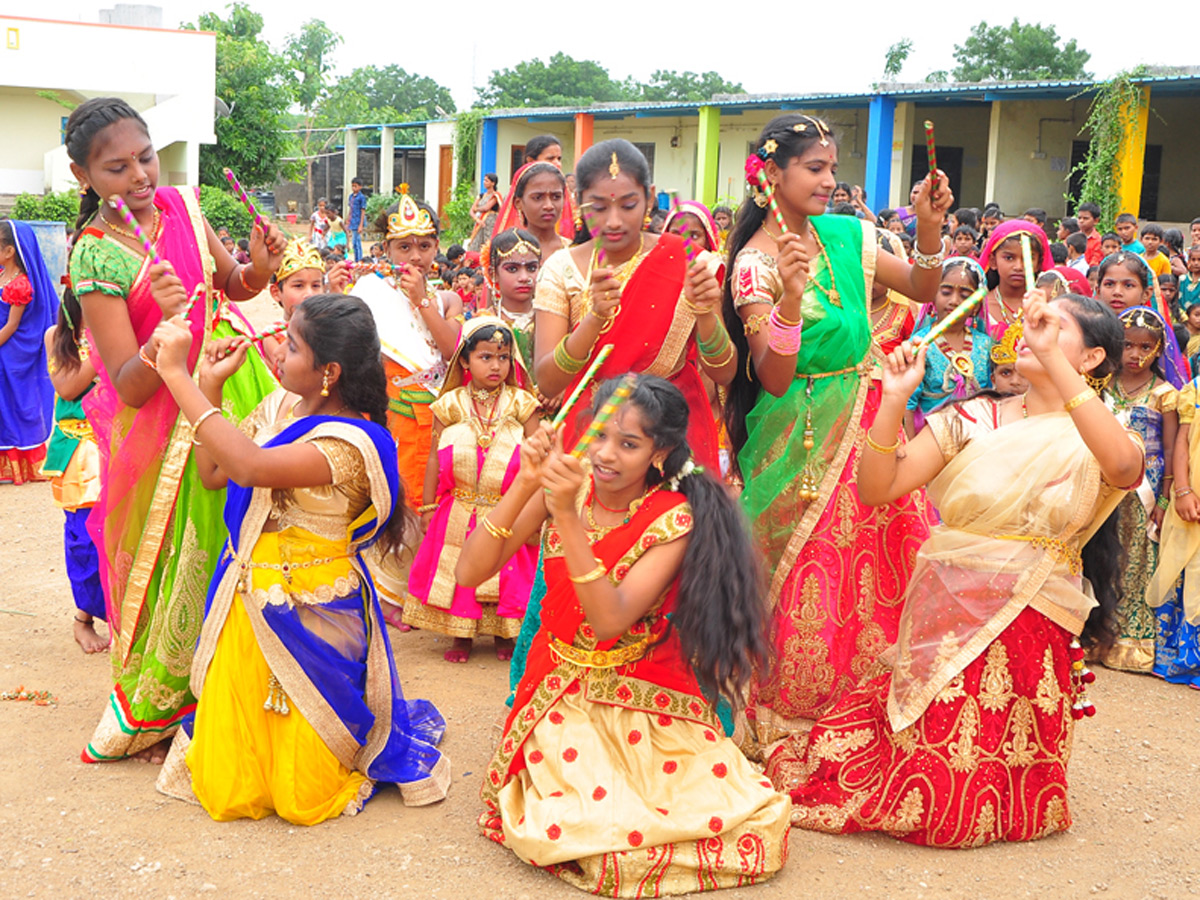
(73, 830)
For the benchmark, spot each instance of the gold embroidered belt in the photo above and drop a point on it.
(599, 659)
(863, 367)
(1061, 549)
(466, 495)
(77, 429)
(287, 568)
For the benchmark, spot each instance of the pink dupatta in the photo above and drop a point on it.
(143, 451)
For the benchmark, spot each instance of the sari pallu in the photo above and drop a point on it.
(652, 333)
(157, 529)
(612, 772)
(341, 679)
(839, 567)
(966, 741)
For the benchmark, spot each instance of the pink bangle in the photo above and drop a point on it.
(783, 339)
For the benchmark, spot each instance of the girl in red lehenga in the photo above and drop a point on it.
(965, 741)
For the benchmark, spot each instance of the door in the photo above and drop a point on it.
(445, 177)
(949, 160)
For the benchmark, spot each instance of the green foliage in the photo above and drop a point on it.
(376, 204)
(384, 94)
(1112, 117)
(895, 58)
(457, 223)
(224, 210)
(253, 82)
(684, 87)
(308, 54)
(1018, 52)
(466, 141)
(62, 206)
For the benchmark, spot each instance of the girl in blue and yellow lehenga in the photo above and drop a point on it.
(299, 710)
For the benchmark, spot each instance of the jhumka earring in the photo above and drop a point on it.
(325, 384)
(646, 220)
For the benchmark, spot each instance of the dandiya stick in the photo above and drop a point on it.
(963, 310)
(237, 186)
(770, 192)
(596, 236)
(275, 329)
(583, 383)
(197, 293)
(690, 249)
(931, 149)
(1027, 260)
(619, 396)
(120, 206)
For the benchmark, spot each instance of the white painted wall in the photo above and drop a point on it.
(169, 76)
(436, 134)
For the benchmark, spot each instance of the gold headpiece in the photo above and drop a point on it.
(1005, 352)
(521, 246)
(614, 168)
(822, 129)
(409, 220)
(299, 254)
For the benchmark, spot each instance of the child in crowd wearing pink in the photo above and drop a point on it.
(1001, 257)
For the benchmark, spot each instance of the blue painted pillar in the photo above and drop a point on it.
(488, 149)
(880, 126)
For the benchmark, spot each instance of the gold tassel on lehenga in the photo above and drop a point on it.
(276, 701)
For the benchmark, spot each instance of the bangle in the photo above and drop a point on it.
(782, 338)
(595, 575)
(787, 323)
(201, 419)
(427, 507)
(1181, 492)
(565, 361)
(1163, 502)
(928, 260)
(698, 311)
(499, 532)
(717, 345)
(145, 359)
(880, 448)
(1079, 399)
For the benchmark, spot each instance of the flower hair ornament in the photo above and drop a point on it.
(764, 195)
(688, 468)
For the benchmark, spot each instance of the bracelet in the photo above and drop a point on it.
(1163, 502)
(754, 324)
(698, 311)
(499, 532)
(1181, 492)
(716, 345)
(787, 323)
(427, 507)
(880, 448)
(242, 278)
(565, 361)
(203, 417)
(145, 359)
(928, 260)
(595, 575)
(1079, 399)
(783, 339)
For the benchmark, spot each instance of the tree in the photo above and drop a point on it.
(391, 87)
(252, 82)
(563, 81)
(685, 87)
(895, 58)
(308, 53)
(1018, 52)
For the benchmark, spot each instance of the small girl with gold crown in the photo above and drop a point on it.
(480, 419)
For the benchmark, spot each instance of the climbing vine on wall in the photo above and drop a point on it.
(466, 142)
(1112, 116)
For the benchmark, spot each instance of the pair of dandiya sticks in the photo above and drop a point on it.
(619, 395)
(118, 203)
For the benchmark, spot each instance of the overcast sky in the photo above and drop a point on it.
(459, 44)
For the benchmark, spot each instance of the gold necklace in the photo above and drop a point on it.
(602, 531)
(125, 232)
(483, 395)
(621, 274)
(831, 292)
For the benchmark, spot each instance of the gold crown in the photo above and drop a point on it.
(299, 254)
(1005, 352)
(409, 220)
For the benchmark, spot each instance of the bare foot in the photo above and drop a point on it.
(155, 755)
(504, 649)
(86, 636)
(460, 652)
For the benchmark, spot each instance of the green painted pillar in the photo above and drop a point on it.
(708, 151)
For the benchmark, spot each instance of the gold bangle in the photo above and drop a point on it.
(1079, 399)
(880, 448)
(499, 532)
(204, 417)
(785, 322)
(595, 575)
(427, 507)
(725, 359)
(698, 311)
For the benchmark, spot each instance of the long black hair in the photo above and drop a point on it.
(86, 121)
(596, 162)
(1104, 555)
(720, 614)
(64, 347)
(794, 134)
(341, 329)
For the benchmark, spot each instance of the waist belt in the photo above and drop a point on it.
(599, 659)
(1061, 549)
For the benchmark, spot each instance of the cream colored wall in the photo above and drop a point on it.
(436, 134)
(1175, 124)
(957, 126)
(1017, 181)
(518, 132)
(31, 126)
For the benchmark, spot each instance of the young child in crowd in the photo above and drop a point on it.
(963, 243)
(1152, 240)
(1127, 232)
(1110, 243)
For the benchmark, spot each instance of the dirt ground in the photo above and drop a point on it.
(73, 830)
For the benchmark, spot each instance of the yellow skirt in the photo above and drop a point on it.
(247, 761)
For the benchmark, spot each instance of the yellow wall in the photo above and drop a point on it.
(31, 127)
(1016, 180)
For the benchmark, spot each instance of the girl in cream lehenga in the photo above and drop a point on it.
(966, 739)
(299, 710)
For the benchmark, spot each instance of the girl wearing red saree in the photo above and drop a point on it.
(612, 771)
(966, 739)
(634, 291)
(535, 202)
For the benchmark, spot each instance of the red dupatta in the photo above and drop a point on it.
(652, 334)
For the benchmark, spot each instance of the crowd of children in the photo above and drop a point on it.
(657, 458)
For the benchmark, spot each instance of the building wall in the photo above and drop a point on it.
(957, 126)
(436, 134)
(1175, 124)
(31, 126)
(1021, 181)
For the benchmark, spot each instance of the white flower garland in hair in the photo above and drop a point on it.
(688, 468)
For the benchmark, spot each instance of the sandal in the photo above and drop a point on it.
(394, 616)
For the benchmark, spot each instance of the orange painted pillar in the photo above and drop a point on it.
(584, 126)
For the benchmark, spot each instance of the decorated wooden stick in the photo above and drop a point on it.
(583, 383)
(690, 249)
(619, 396)
(120, 206)
(277, 328)
(197, 293)
(770, 192)
(1027, 260)
(931, 149)
(963, 310)
(237, 186)
(596, 236)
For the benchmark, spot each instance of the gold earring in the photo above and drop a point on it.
(659, 465)
(646, 220)
(325, 384)
(578, 221)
